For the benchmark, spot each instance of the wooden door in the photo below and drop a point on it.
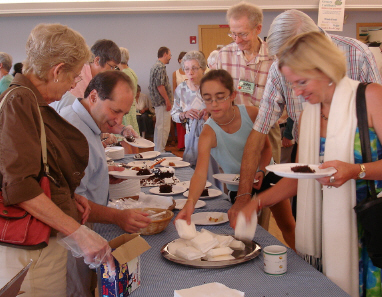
(212, 36)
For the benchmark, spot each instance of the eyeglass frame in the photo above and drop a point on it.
(242, 36)
(216, 100)
(113, 67)
(299, 85)
(193, 69)
(77, 77)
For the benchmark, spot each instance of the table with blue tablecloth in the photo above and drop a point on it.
(160, 277)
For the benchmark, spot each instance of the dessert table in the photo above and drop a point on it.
(160, 277)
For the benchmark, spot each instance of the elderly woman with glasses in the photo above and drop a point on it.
(327, 232)
(55, 55)
(223, 136)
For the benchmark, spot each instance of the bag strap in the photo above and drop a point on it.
(43, 135)
(364, 133)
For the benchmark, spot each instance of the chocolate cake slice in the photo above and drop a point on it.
(165, 188)
(205, 192)
(303, 169)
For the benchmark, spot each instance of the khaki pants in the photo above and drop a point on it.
(47, 274)
(275, 139)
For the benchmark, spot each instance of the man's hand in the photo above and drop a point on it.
(83, 207)
(168, 105)
(132, 220)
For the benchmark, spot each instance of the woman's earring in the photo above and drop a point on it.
(56, 80)
(331, 83)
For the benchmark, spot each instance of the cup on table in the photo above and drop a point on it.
(275, 260)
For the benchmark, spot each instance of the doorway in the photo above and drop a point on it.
(212, 36)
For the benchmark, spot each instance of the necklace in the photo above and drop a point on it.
(225, 124)
(324, 117)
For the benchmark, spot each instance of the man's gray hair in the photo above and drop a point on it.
(287, 25)
(251, 11)
(195, 55)
(6, 60)
(125, 55)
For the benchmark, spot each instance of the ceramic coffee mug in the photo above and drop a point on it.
(275, 260)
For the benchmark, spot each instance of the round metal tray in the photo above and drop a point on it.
(251, 251)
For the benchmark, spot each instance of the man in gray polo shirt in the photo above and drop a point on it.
(161, 98)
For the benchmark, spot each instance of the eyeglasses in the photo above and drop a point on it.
(113, 67)
(242, 36)
(77, 77)
(301, 84)
(193, 69)
(208, 101)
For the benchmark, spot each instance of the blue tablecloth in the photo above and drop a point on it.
(161, 277)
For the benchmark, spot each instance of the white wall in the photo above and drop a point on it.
(143, 34)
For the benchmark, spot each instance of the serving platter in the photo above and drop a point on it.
(251, 251)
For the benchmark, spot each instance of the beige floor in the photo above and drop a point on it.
(273, 229)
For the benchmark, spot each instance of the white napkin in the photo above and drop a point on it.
(220, 252)
(224, 240)
(180, 243)
(189, 253)
(209, 290)
(184, 230)
(204, 241)
(219, 258)
(243, 230)
(237, 245)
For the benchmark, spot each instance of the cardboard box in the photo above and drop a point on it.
(127, 249)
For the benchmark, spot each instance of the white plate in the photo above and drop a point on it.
(128, 173)
(285, 171)
(148, 155)
(202, 218)
(140, 163)
(181, 202)
(172, 159)
(211, 194)
(187, 184)
(141, 143)
(177, 163)
(229, 178)
(176, 189)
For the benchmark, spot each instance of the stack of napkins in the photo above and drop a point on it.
(127, 188)
(115, 152)
(243, 229)
(209, 290)
(193, 245)
(144, 201)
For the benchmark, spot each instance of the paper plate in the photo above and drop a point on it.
(286, 171)
(141, 143)
(207, 218)
(187, 184)
(211, 194)
(229, 178)
(177, 164)
(176, 189)
(140, 163)
(181, 202)
(147, 155)
(128, 173)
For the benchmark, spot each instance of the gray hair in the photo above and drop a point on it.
(125, 56)
(287, 25)
(195, 55)
(251, 11)
(6, 60)
(51, 44)
(211, 60)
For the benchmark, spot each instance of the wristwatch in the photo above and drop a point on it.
(362, 173)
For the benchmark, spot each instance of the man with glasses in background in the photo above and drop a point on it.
(105, 56)
(161, 98)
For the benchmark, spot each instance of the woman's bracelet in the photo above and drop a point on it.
(243, 195)
(261, 171)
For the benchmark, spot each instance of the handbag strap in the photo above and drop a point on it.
(43, 135)
(364, 132)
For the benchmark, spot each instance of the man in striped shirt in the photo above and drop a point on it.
(361, 66)
(248, 61)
